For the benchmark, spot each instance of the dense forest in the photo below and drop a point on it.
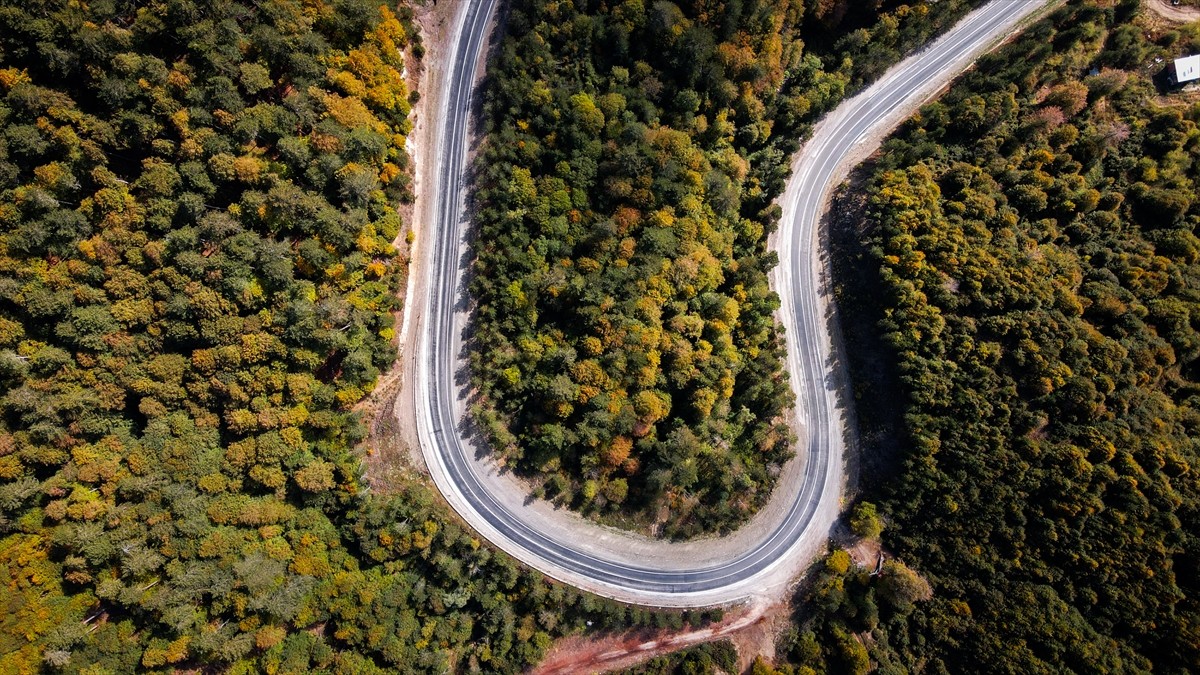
(624, 351)
(1028, 249)
(197, 283)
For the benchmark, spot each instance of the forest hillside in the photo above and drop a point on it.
(1028, 255)
(197, 284)
(625, 353)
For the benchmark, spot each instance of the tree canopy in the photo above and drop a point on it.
(1032, 267)
(197, 285)
(624, 347)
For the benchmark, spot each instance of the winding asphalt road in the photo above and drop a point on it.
(585, 555)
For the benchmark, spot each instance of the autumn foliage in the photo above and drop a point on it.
(624, 334)
(1030, 257)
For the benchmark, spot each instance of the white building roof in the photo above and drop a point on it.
(1187, 68)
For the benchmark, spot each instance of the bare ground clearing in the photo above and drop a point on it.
(1172, 13)
(752, 629)
(394, 449)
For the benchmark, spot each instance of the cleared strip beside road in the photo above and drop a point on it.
(796, 527)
